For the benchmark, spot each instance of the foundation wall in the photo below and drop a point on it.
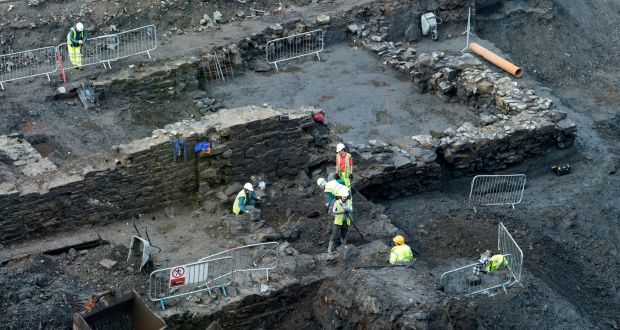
(143, 177)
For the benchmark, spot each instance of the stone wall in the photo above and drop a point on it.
(385, 171)
(141, 176)
(514, 122)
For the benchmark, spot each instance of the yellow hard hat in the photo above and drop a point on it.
(399, 239)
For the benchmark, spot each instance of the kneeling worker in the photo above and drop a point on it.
(401, 252)
(488, 264)
(245, 200)
(343, 208)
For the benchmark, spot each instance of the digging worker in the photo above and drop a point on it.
(245, 200)
(332, 189)
(487, 265)
(343, 208)
(344, 165)
(75, 39)
(401, 252)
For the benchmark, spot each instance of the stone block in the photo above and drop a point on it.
(107, 263)
(323, 19)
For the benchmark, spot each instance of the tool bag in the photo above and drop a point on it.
(561, 169)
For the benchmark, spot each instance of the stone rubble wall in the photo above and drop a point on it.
(514, 123)
(142, 177)
(386, 171)
(18, 157)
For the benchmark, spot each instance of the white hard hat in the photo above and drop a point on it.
(79, 26)
(339, 147)
(321, 182)
(345, 194)
(248, 186)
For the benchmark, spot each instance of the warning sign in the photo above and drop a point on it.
(177, 276)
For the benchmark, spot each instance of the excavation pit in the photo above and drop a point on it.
(419, 123)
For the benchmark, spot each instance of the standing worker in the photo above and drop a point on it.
(245, 200)
(332, 189)
(75, 39)
(343, 208)
(401, 252)
(344, 165)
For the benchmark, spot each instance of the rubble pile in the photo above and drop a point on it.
(17, 156)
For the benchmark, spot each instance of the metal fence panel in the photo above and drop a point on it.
(507, 245)
(137, 41)
(294, 46)
(99, 50)
(254, 257)
(198, 276)
(464, 281)
(26, 64)
(497, 190)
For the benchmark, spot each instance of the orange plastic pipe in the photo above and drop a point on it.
(496, 59)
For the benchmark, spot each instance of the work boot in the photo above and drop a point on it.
(330, 248)
(343, 242)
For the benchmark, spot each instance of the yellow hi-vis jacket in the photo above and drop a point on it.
(400, 254)
(339, 213)
(336, 188)
(496, 262)
(236, 208)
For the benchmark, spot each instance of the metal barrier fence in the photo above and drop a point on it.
(254, 257)
(137, 41)
(496, 190)
(463, 280)
(298, 45)
(99, 50)
(507, 245)
(27, 64)
(183, 280)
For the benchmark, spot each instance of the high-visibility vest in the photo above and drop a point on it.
(400, 254)
(335, 188)
(339, 207)
(75, 36)
(236, 209)
(347, 165)
(496, 262)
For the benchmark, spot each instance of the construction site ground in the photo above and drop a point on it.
(567, 225)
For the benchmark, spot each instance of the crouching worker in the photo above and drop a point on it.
(343, 208)
(401, 252)
(488, 264)
(245, 200)
(332, 189)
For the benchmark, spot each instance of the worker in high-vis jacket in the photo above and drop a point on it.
(332, 189)
(488, 264)
(496, 262)
(401, 253)
(344, 165)
(245, 200)
(75, 39)
(343, 209)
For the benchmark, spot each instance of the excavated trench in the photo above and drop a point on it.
(366, 100)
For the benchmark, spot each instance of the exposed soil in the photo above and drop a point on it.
(567, 226)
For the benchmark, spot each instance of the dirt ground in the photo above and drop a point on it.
(567, 226)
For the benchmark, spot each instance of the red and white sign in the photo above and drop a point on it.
(177, 276)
